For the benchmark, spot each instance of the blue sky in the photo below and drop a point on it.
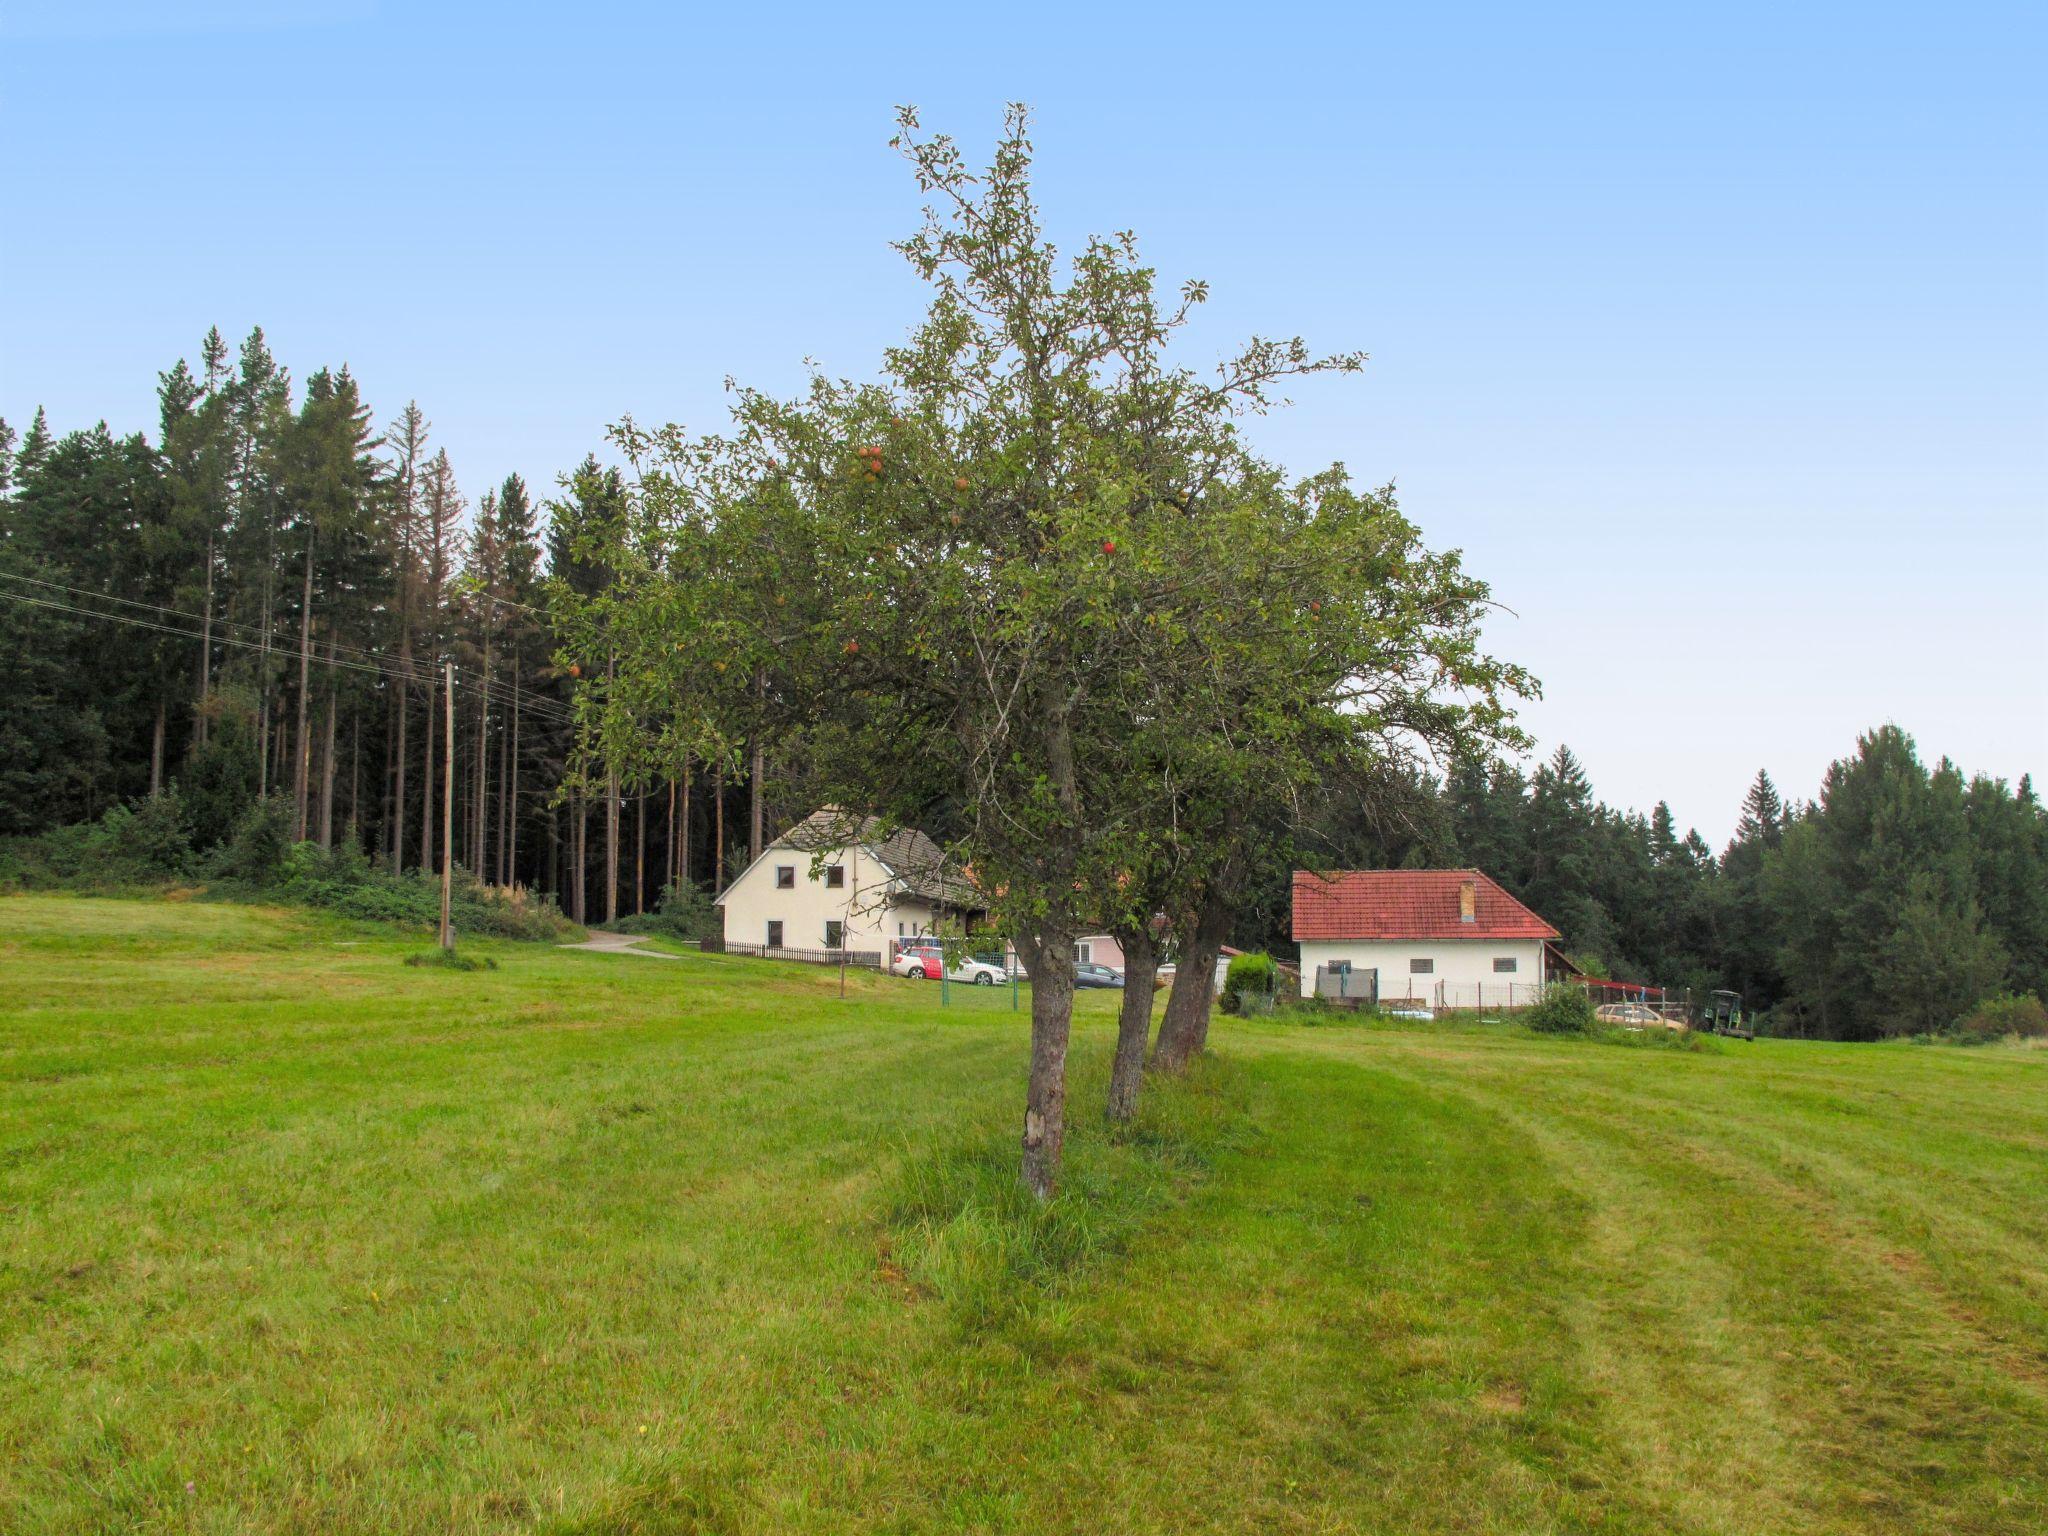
(1718, 340)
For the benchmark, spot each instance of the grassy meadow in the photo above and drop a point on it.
(296, 1238)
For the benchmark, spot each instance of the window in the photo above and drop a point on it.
(775, 935)
(835, 935)
(835, 876)
(899, 930)
(1505, 967)
(1421, 967)
(785, 877)
(1083, 954)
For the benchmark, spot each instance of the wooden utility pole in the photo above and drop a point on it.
(448, 822)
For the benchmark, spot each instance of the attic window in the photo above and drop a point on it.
(835, 877)
(785, 877)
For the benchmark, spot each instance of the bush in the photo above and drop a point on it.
(255, 850)
(451, 960)
(1249, 984)
(2012, 1014)
(1563, 1010)
(141, 845)
(686, 914)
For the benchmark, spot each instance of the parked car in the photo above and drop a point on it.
(1634, 1016)
(921, 963)
(980, 970)
(1088, 975)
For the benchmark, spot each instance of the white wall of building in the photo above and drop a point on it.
(1465, 966)
(872, 917)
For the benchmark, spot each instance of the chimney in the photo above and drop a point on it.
(1468, 902)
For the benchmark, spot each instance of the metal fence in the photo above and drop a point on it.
(863, 958)
(1342, 984)
(1362, 987)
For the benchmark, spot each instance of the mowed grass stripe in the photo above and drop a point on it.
(593, 1243)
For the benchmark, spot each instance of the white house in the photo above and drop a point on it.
(1451, 938)
(835, 881)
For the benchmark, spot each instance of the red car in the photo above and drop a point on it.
(921, 963)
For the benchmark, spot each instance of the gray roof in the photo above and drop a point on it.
(918, 863)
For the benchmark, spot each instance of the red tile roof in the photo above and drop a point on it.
(1406, 904)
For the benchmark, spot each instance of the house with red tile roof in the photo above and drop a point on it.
(1449, 938)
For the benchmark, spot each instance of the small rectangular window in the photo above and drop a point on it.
(1083, 954)
(1505, 967)
(785, 877)
(835, 934)
(835, 877)
(775, 935)
(1421, 967)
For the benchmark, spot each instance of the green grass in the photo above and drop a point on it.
(295, 1237)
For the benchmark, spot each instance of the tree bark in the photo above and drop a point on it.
(683, 843)
(301, 789)
(640, 856)
(1184, 1029)
(503, 848)
(327, 760)
(718, 829)
(156, 754)
(582, 855)
(1048, 954)
(1133, 1023)
(611, 846)
(403, 699)
(206, 650)
(427, 777)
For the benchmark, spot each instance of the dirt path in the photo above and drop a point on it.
(620, 944)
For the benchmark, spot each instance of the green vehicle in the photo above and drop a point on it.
(1723, 1015)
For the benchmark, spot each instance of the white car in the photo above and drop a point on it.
(980, 972)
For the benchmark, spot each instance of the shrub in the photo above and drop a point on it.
(451, 960)
(141, 845)
(1563, 1010)
(684, 913)
(2017, 1014)
(1249, 984)
(255, 850)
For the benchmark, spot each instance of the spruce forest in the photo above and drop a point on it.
(238, 634)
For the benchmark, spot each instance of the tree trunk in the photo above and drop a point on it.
(403, 691)
(327, 762)
(512, 796)
(668, 843)
(479, 813)
(754, 808)
(582, 856)
(504, 860)
(640, 858)
(1048, 954)
(206, 650)
(427, 775)
(683, 844)
(1134, 1022)
(354, 824)
(1184, 1030)
(156, 754)
(611, 846)
(301, 789)
(718, 829)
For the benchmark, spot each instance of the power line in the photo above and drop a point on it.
(546, 708)
(421, 672)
